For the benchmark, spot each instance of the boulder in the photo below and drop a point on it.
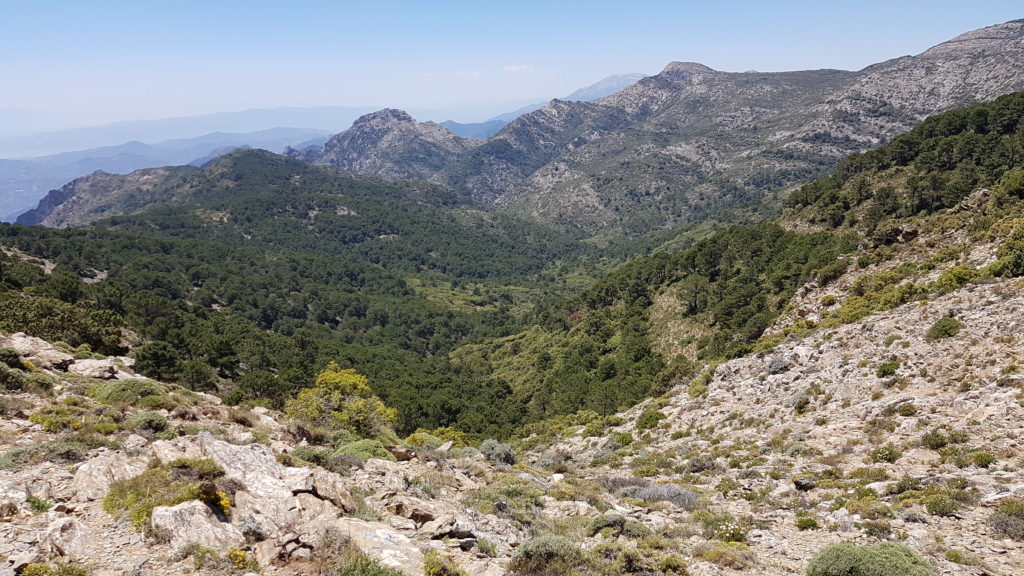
(65, 537)
(94, 477)
(102, 369)
(193, 521)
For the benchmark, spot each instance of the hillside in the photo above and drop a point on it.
(23, 182)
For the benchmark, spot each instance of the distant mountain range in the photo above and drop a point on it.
(24, 182)
(40, 162)
(693, 144)
(689, 146)
(600, 89)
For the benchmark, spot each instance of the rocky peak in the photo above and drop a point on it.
(383, 119)
(390, 143)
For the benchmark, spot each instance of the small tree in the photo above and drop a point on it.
(342, 399)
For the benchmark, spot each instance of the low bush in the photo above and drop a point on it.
(729, 554)
(649, 419)
(884, 559)
(679, 497)
(946, 327)
(65, 450)
(434, 564)
(151, 421)
(352, 562)
(1009, 518)
(58, 569)
(546, 555)
(364, 450)
(497, 452)
(887, 453)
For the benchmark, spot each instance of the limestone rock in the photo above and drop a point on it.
(38, 351)
(65, 537)
(100, 369)
(94, 477)
(193, 521)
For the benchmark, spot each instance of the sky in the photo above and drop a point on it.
(81, 63)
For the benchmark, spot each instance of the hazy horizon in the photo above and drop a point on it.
(93, 64)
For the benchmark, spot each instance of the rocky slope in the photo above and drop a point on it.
(391, 144)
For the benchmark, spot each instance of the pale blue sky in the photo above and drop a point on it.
(91, 62)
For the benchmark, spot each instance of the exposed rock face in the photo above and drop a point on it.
(391, 548)
(391, 144)
(65, 537)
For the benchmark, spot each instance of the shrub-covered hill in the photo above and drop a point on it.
(257, 270)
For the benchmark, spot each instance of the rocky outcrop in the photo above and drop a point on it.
(38, 351)
(93, 478)
(193, 522)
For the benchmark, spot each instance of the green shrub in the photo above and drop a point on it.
(352, 562)
(11, 379)
(196, 469)
(729, 554)
(887, 453)
(364, 450)
(487, 547)
(941, 505)
(805, 522)
(497, 452)
(1009, 518)
(884, 559)
(649, 419)
(11, 358)
(946, 327)
(981, 459)
(136, 497)
(887, 369)
(434, 564)
(38, 505)
(545, 555)
(67, 450)
(423, 439)
(127, 391)
(935, 440)
(58, 569)
(152, 421)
